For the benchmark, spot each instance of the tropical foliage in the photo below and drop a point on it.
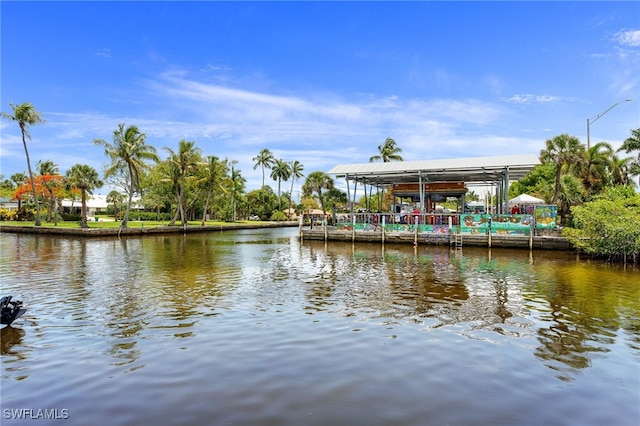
(608, 226)
(188, 185)
(296, 173)
(264, 160)
(564, 151)
(180, 169)
(388, 151)
(26, 115)
(570, 174)
(632, 145)
(85, 178)
(129, 154)
(184, 186)
(317, 183)
(280, 171)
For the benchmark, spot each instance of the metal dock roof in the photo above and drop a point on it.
(472, 169)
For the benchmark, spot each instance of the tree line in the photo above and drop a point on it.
(186, 185)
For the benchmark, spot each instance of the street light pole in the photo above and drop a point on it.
(589, 121)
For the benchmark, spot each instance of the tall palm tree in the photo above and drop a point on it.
(563, 151)
(280, 171)
(183, 163)
(129, 152)
(265, 160)
(318, 182)
(85, 178)
(296, 173)
(214, 177)
(26, 115)
(237, 184)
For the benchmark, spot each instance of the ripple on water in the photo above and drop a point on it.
(258, 329)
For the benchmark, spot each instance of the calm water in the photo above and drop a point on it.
(257, 328)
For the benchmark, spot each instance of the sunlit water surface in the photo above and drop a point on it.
(258, 328)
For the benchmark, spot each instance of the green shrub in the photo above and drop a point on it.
(278, 216)
(608, 226)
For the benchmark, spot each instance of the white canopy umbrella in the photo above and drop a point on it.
(525, 199)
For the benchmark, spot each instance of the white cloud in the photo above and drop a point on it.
(319, 130)
(629, 38)
(527, 98)
(105, 53)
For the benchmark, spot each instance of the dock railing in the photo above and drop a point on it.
(438, 228)
(438, 223)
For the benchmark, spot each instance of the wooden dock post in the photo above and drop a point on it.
(326, 224)
(300, 220)
(353, 229)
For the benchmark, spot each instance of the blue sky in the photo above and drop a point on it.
(323, 83)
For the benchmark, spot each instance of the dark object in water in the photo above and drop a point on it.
(10, 311)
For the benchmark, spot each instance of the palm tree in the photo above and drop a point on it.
(334, 197)
(215, 176)
(280, 171)
(117, 199)
(571, 194)
(128, 152)
(296, 173)
(620, 171)
(264, 159)
(317, 182)
(595, 167)
(563, 150)
(85, 178)
(182, 164)
(388, 151)
(26, 115)
(237, 183)
(632, 143)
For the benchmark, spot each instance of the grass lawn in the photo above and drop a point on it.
(110, 223)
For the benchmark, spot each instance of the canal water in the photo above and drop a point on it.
(257, 328)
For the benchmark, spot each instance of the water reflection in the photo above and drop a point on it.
(572, 309)
(10, 337)
(196, 303)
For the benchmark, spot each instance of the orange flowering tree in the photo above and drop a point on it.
(47, 187)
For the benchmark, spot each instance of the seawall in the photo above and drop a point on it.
(137, 231)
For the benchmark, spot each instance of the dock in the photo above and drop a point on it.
(547, 241)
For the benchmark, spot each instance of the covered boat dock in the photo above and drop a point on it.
(427, 182)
